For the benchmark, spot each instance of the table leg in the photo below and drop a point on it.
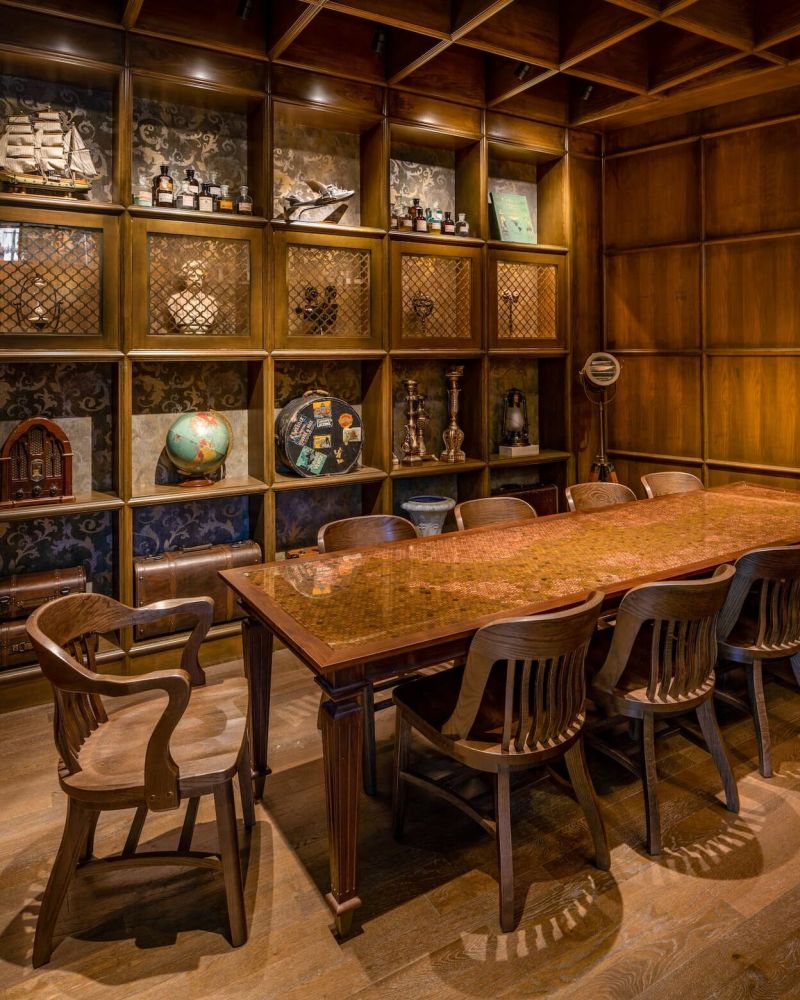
(342, 743)
(257, 649)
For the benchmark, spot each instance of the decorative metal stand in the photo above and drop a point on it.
(453, 436)
(511, 298)
(413, 446)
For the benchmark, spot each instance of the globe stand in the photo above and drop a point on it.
(195, 483)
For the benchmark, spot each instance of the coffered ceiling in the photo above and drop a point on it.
(600, 63)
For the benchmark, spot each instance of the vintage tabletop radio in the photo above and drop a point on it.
(36, 465)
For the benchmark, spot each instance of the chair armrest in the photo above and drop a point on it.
(203, 610)
(161, 773)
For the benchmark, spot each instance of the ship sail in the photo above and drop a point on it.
(79, 159)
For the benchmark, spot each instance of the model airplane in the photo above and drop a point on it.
(327, 194)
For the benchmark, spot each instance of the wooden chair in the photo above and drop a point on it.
(590, 496)
(659, 484)
(149, 755)
(491, 510)
(518, 703)
(357, 532)
(760, 623)
(661, 663)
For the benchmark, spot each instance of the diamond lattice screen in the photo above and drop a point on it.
(51, 280)
(526, 301)
(328, 290)
(198, 287)
(436, 296)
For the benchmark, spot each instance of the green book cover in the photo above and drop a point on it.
(512, 217)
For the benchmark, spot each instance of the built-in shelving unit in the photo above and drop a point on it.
(118, 382)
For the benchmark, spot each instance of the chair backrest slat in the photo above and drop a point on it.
(590, 496)
(491, 510)
(542, 658)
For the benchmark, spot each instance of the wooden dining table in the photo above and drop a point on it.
(366, 614)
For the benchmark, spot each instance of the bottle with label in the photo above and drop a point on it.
(448, 225)
(407, 219)
(188, 194)
(225, 200)
(434, 222)
(164, 188)
(244, 203)
(144, 193)
(214, 187)
(206, 200)
(462, 226)
(420, 222)
(394, 220)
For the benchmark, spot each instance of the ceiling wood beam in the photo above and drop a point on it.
(502, 82)
(469, 14)
(289, 19)
(408, 53)
(130, 14)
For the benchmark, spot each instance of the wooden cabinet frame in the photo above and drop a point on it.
(108, 338)
(497, 338)
(138, 336)
(282, 240)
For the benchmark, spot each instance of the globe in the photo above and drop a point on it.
(198, 443)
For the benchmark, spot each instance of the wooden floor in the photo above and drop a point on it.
(718, 915)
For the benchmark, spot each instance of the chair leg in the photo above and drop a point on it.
(231, 868)
(649, 785)
(504, 849)
(707, 718)
(88, 847)
(246, 787)
(370, 766)
(79, 824)
(755, 689)
(402, 744)
(581, 780)
(187, 831)
(795, 662)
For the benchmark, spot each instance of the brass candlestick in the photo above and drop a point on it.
(413, 446)
(453, 436)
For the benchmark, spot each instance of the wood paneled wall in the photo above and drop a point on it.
(702, 299)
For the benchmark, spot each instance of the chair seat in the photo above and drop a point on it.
(205, 745)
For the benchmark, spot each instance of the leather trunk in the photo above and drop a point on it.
(24, 592)
(543, 499)
(190, 572)
(16, 647)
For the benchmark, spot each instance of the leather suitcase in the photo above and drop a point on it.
(16, 647)
(24, 592)
(190, 573)
(543, 499)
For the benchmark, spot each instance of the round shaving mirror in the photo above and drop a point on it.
(601, 370)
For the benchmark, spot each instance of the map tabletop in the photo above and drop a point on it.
(361, 604)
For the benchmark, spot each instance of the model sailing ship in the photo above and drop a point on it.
(42, 151)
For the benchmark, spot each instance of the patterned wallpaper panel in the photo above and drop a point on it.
(181, 386)
(517, 373)
(339, 378)
(82, 391)
(301, 513)
(91, 111)
(48, 543)
(427, 174)
(213, 142)
(302, 153)
(165, 527)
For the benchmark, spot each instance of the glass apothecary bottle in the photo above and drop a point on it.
(462, 226)
(244, 203)
(164, 188)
